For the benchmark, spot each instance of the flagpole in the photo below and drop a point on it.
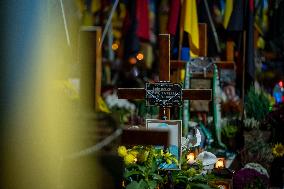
(181, 28)
(65, 23)
(108, 22)
(212, 26)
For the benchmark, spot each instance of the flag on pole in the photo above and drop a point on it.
(236, 22)
(95, 6)
(174, 16)
(191, 26)
(142, 16)
(228, 12)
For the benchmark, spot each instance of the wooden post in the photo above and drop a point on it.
(230, 50)
(243, 73)
(181, 29)
(91, 66)
(164, 65)
(203, 44)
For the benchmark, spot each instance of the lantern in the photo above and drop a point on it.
(220, 164)
(190, 158)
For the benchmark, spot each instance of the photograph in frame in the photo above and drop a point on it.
(175, 132)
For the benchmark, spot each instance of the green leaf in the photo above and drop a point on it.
(152, 184)
(142, 185)
(198, 178)
(200, 186)
(137, 185)
(182, 177)
(157, 177)
(130, 173)
(132, 185)
(142, 168)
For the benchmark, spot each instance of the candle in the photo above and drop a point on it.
(190, 158)
(220, 163)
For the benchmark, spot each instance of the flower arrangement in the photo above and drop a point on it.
(229, 130)
(257, 104)
(192, 173)
(142, 166)
(121, 107)
(113, 102)
(248, 178)
(259, 168)
(257, 149)
(251, 123)
(142, 169)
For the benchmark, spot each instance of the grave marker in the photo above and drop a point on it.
(164, 76)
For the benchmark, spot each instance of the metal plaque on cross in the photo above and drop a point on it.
(165, 94)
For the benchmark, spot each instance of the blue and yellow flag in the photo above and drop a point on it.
(191, 26)
(228, 12)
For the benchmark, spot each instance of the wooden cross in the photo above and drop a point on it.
(144, 137)
(164, 75)
(203, 43)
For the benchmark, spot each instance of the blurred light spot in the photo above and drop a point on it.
(135, 72)
(132, 60)
(140, 56)
(280, 84)
(114, 46)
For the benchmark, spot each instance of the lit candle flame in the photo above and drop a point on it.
(190, 158)
(220, 163)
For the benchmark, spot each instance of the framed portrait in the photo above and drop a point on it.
(175, 132)
(200, 105)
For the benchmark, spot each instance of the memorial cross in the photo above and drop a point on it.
(164, 75)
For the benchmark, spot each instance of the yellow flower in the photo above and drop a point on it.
(134, 152)
(143, 156)
(169, 161)
(278, 150)
(122, 151)
(167, 155)
(102, 105)
(175, 160)
(191, 172)
(129, 159)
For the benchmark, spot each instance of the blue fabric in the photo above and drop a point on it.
(18, 31)
(185, 54)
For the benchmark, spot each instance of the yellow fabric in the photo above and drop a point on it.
(87, 19)
(228, 12)
(191, 26)
(81, 5)
(102, 105)
(182, 74)
(96, 6)
(260, 43)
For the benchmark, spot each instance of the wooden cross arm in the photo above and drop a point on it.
(197, 94)
(180, 64)
(187, 94)
(225, 64)
(177, 64)
(131, 93)
(144, 137)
